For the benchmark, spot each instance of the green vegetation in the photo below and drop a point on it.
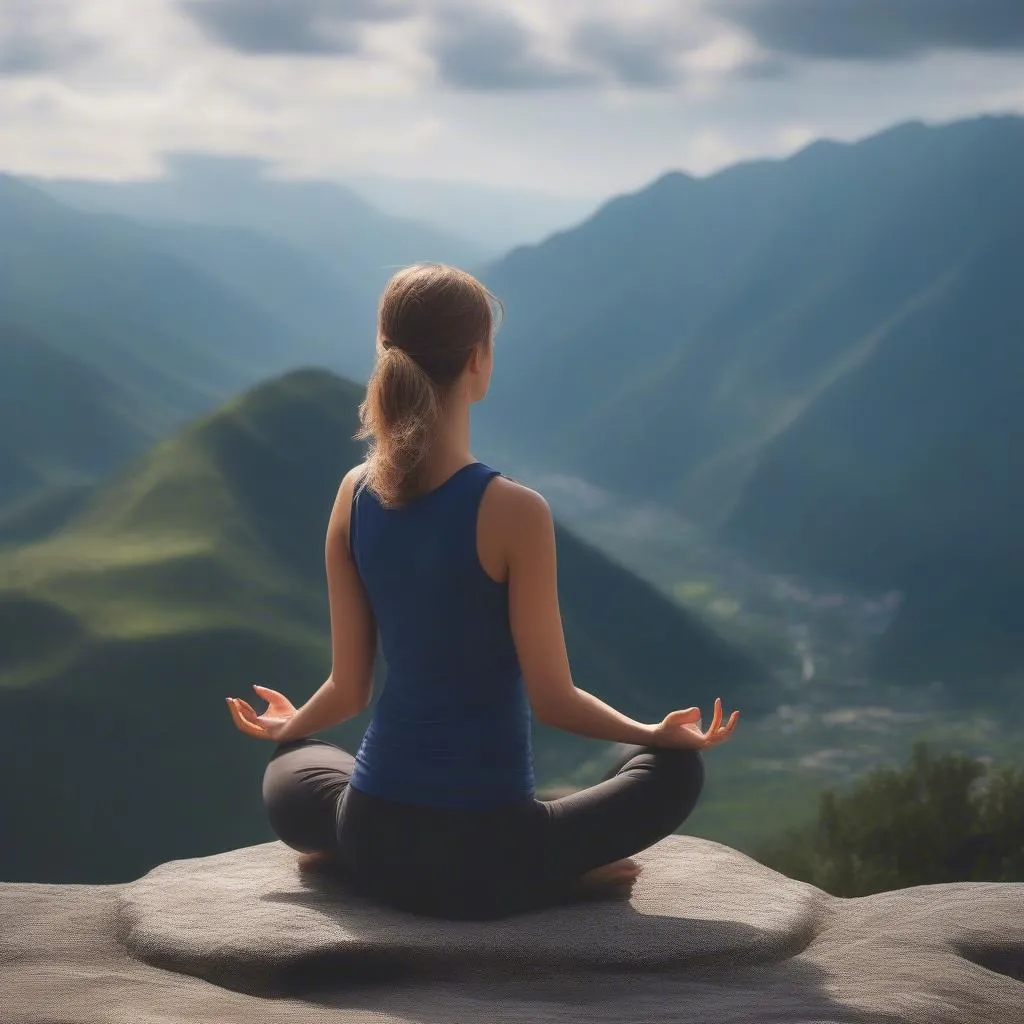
(944, 818)
(192, 574)
(185, 540)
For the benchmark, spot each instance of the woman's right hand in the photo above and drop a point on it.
(681, 729)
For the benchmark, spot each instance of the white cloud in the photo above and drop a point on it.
(113, 84)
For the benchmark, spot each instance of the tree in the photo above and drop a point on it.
(943, 819)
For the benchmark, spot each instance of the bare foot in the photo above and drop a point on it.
(314, 861)
(614, 879)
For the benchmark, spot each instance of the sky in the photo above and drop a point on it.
(580, 98)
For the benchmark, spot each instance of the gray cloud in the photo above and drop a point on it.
(878, 29)
(642, 56)
(489, 51)
(474, 48)
(483, 48)
(35, 39)
(309, 27)
(24, 53)
(768, 68)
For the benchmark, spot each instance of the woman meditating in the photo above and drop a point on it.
(453, 564)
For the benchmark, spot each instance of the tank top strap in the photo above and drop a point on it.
(464, 506)
(353, 518)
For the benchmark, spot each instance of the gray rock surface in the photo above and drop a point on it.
(709, 935)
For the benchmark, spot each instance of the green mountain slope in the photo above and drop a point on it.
(198, 571)
(813, 356)
(61, 420)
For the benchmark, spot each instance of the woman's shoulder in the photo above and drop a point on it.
(514, 520)
(348, 490)
(351, 482)
(511, 504)
(516, 491)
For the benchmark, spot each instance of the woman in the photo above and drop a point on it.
(454, 565)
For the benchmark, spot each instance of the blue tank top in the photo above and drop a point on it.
(452, 726)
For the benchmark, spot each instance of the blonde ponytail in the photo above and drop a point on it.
(398, 416)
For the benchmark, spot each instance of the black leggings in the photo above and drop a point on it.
(475, 864)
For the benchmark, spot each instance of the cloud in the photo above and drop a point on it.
(491, 51)
(310, 27)
(157, 80)
(765, 68)
(473, 46)
(642, 55)
(27, 53)
(878, 29)
(36, 38)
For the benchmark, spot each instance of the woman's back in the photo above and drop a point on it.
(452, 727)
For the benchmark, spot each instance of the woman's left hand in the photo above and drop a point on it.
(271, 723)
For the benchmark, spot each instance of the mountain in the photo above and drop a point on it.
(43, 510)
(195, 572)
(815, 357)
(100, 290)
(328, 321)
(323, 219)
(113, 332)
(62, 421)
(495, 217)
(903, 474)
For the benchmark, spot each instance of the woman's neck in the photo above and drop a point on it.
(451, 447)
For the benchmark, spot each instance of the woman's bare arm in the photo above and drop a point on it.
(536, 623)
(349, 687)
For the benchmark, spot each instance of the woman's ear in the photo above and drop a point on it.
(478, 359)
(477, 372)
